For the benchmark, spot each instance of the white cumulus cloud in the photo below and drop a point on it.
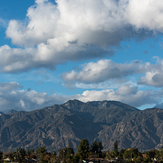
(76, 29)
(147, 14)
(12, 96)
(103, 70)
(154, 75)
(106, 72)
(126, 94)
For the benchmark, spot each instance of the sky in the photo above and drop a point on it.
(90, 50)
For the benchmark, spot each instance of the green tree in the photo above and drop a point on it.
(96, 148)
(41, 150)
(75, 158)
(151, 153)
(69, 151)
(47, 157)
(30, 152)
(147, 160)
(14, 156)
(138, 159)
(127, 154)
(116, 148)
(83, 149)
(65, 153)
(54, 153)
(131, 153)
(41, 153)
(110, 155)
(135, 153)
(21, 153)
(161, 152)
(157, 154)
(121, 153)
(1, 155)
(53, 158)
(100, 146)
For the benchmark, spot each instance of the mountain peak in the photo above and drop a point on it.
(11, 111)
(1, 113)
(111, 104)
(73, 104)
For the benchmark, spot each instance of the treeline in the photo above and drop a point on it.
(132, 155)
(85, 152)
(66, 155)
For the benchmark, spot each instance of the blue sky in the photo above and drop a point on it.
(54, 51)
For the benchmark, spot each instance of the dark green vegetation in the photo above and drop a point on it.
(66, 155)
(133, 155)
(60, 125)
(85, 152)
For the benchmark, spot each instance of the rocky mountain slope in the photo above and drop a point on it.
(60, 125)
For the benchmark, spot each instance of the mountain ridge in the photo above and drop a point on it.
(59, 125)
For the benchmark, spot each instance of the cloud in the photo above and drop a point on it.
(127, 89)
(3, 23)
(145, 14)
(43, 19)
(154, 75)
(102, 85)
(70, 21)
(125, 93)
(5, 87)
(12, 96)
(17, 59)
(73, 30)
(153, 78)
(104, 70)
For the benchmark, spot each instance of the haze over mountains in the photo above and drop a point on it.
(60, 125)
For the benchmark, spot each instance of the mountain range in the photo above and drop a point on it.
(58, 126)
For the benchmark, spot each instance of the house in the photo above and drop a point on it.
(32, 160)
(7, 159)
(97, 160)
(144, 155)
